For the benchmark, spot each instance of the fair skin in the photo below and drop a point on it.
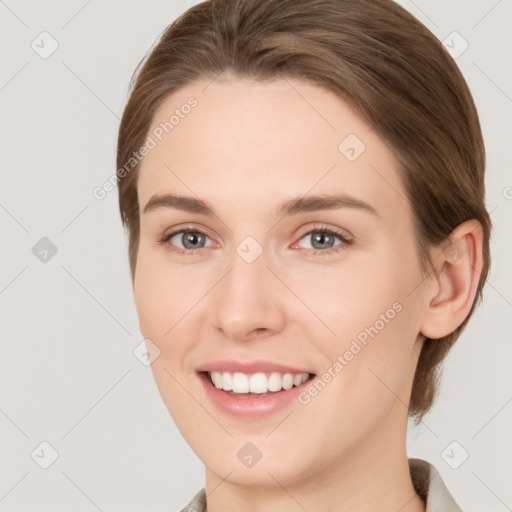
(245, 149)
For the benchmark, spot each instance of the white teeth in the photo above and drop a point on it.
(288, 381)
(216, 379)
(257, 382)
(240, 383)
(275, 382)
(227, 381)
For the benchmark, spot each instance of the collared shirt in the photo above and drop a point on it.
(426, 480)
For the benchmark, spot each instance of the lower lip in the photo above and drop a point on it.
(251, 407)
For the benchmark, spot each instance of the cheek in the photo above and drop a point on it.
(163, 295)
(162, 298)
(155, 301)
(355, 298)
(371, 321)
(364, 376)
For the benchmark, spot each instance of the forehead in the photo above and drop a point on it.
(239, 142)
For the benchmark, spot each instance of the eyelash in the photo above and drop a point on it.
(345, 241)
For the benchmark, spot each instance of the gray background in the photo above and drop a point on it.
(69, 326)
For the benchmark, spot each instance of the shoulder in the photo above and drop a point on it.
(430, 486)
(198, 503)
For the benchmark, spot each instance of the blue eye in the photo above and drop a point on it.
(192, 240)
(322, 241)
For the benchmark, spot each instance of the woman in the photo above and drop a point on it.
(303, 188)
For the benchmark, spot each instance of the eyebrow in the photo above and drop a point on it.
(293, 206)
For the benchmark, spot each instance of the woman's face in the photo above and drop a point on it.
(263, 286)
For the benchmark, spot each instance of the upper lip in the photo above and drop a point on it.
(248, 367)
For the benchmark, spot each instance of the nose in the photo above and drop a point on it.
(249, 301)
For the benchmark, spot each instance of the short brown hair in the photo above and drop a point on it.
(379, 59)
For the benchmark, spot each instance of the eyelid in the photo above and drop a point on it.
(187, 227)
(316, 227)
(345, 237)
(164, 240)
(342, 233)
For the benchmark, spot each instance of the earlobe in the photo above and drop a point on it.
(458, 263)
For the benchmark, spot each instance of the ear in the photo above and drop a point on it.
(458, 263)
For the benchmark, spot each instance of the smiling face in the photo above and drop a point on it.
(321, 286)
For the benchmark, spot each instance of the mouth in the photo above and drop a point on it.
(255, 385)
(252, 390)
